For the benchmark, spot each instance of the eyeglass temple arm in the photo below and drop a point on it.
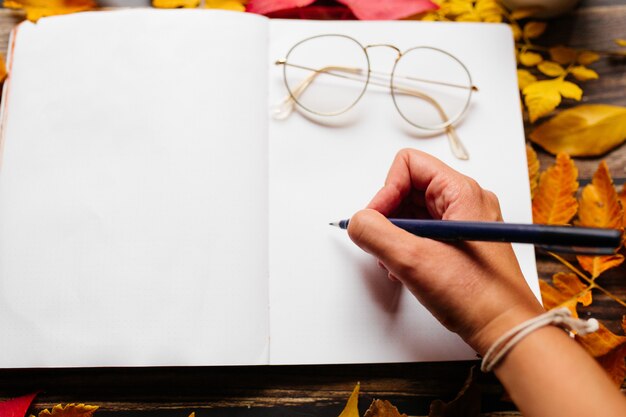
(286, 106)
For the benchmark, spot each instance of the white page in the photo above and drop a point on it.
(133, 191)
(329, 301)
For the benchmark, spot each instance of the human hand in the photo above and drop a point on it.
(474, 288)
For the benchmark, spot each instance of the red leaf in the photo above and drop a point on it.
(388, 9)
(16, 407)
(269, 6)
(313, 12)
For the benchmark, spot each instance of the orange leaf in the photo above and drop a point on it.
(553, 298)
(554, 201)
(567, 291)
(609, 349)
(3, 69)
(622, 199)
(352, 405)
(36, 9)
(533, 169)
(600, 207)
(70, 410)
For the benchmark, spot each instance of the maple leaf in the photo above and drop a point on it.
(352, 405)
(465, 404)
(609, 350)
(554, 201)
(586, 130)
(566, 291)
(542, 97)
(16, 407)
(533, 169)
(36, 9)
(599, 206)
(524, 78)
(175, 4)
(70, 410)
(383, 408)
(563, 55)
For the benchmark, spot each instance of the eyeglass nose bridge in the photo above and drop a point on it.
(383, 45)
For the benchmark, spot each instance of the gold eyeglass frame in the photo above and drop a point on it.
(286, 106)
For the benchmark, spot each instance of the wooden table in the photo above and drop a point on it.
(322, 390)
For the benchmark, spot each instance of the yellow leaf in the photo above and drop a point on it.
(534, 29)
(533, 168)
(517, 32)
(458, 7)
(352, 406)
(193, 414)
(551, 69)
(70, 410)
(554, 201)
(174, 4)
(543, 96)
(524, 78)
(587, 57)
(620, 42)
(530, 59)
(599, 206)
(586, 130)
(3, 69)
(36, 9)
(524, 12)
(563, 55)
(468, 17)
(582, 73)
(238, 6)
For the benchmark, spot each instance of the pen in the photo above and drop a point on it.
(580, 240)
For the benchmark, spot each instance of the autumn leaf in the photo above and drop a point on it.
(586, 130)
(582, 73)
(382, 408)
(609, 350)
(36, 9)
(352, 406)
(622, 199)
(587, 57)
(554, 201)
(466, 403)
(16, 407)
(524, 78)
(175, 4)
(551, 69)
(70, 410)
(566, 291)
(599, 206)
(534, 29)
(530, 59)
(620, 42)
(563, 55)
(517, 31)
(542, 97)
(524, 12)
(533, 169)
(3, 69)
(238, 6)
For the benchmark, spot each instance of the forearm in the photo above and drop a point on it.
(548, 374)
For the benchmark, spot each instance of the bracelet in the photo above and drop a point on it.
(561, 317)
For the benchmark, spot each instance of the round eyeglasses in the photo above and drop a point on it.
(328, 74)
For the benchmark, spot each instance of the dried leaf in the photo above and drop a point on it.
(609, 349)
(3, 69)
(599, 207)
(383, 408)
(36, 9)
(16, 407)
(524, 12)
(235, 5)
(533, 169)
(566, 291)
(524, 78)
(563, 55)
(534, 29)
(551, 69)
(587, 130)
(582, 73)
(465, 404)
(620, 42)
(175, 4)
(543, 96)
(530, 59)
(352, 406)
(554, 201)
(70, 410)
(193, 414)
(587, 57)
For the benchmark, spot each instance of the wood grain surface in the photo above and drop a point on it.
(322, 390)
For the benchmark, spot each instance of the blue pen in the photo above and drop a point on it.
(579, 240)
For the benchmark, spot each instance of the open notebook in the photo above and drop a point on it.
(152, 212)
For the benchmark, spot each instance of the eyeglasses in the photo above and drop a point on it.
(327, 75)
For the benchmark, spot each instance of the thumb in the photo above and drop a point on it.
(397, 249)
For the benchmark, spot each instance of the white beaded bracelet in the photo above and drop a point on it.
(560, 317)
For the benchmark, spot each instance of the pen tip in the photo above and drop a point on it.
(336, 224)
